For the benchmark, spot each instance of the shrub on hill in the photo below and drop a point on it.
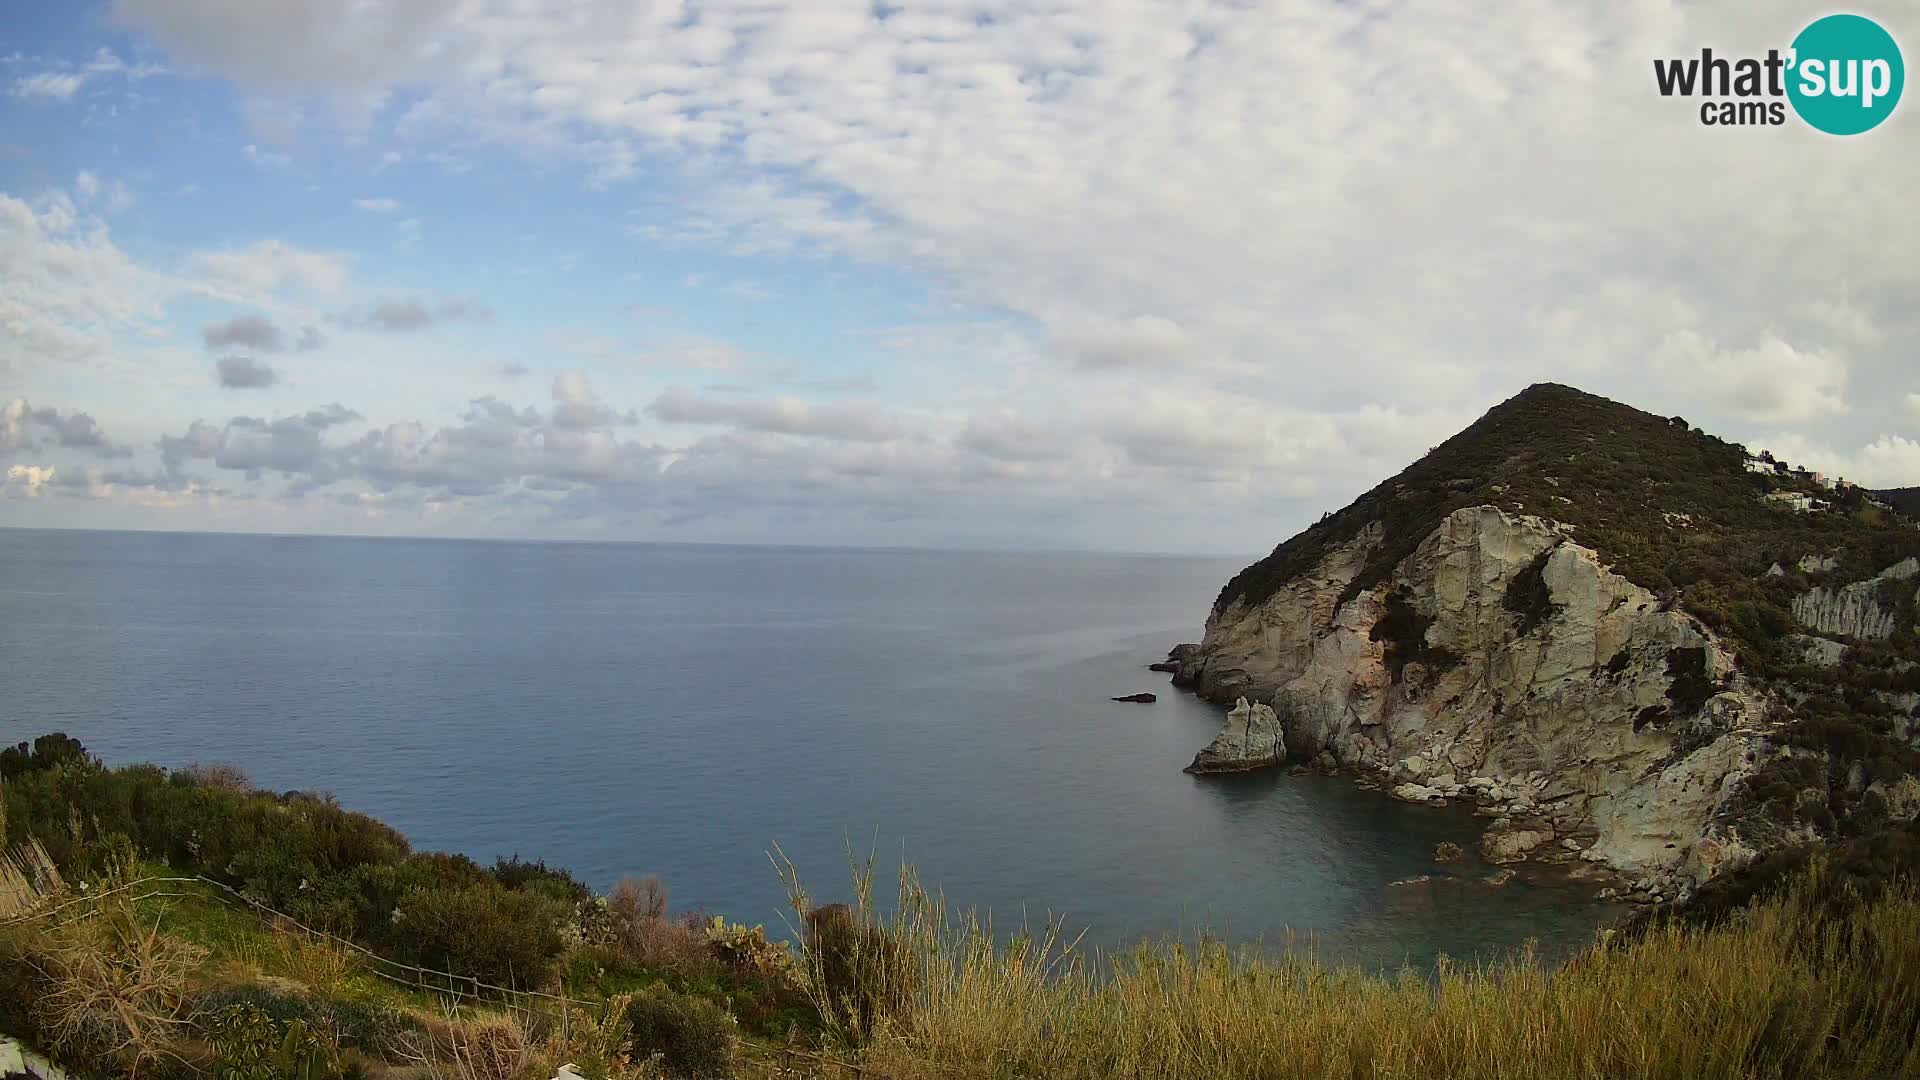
(299, 853)
(1667, 506)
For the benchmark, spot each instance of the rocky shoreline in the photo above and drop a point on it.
(1518, 831)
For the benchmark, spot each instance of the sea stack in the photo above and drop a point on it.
(1250, 739)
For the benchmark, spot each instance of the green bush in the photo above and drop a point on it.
(345, 1023)
(46, 752)
(299, 853)
(537, 876)
(482, 932)
(693, 1036)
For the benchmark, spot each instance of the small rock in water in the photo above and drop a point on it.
(1250, 738)
(1419, 880)
(1448, 851)
(1417, 793)
(1164, 665)
(1499, 877)
(1144, 699)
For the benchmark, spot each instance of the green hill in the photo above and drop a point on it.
(1668, 506)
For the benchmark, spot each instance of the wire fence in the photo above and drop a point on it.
(410, 976)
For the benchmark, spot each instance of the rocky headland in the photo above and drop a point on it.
(1593, 623)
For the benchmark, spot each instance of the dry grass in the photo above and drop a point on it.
(324, 966)
(108, 986)
(220, 775)
(465, 1043)
(1779, 991)
(29, 881)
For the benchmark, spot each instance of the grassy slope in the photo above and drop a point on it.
(1809, 983)
(1819, 982)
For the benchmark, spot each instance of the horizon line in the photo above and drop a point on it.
(261, 534)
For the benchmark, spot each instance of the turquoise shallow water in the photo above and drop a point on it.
(676, 710)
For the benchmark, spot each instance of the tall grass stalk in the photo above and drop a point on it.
(28, 881)
(1783, 989)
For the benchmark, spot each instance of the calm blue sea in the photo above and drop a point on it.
(677, 710)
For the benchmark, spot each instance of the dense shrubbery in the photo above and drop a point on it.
(694, 1037)
(518, 923)
(299, 853)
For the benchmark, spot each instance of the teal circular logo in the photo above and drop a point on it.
(1845, 75)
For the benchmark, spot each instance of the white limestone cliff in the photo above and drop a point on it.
(1604, 727)
(1851, 610)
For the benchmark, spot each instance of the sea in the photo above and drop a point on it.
(682, 710)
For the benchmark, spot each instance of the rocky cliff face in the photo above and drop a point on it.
(1851, 610)
(1502, 660)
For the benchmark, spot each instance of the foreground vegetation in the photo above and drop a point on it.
(155, 969)
(1780, 990)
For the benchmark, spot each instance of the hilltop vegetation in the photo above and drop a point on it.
(1679, 512)
(1666, 505)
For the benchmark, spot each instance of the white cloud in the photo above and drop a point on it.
(378, 206)
(1274, 250)
(1773, 382)
(271, 265)
(1886, 462)
(266, 159)
(843, 421)
(28, 480)
(576, 407)
(107, 62)
(1117, 171)
(49, 86)
(1141, 341)
(69, 289)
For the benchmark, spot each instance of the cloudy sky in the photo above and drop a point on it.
(1168, 276)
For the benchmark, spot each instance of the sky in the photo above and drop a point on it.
(1171, 276)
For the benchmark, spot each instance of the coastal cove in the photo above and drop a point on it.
(635, 709)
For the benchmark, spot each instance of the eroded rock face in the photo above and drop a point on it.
(1592, 713)
(1818, 650)
(1852, 610)
(1250, 739)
